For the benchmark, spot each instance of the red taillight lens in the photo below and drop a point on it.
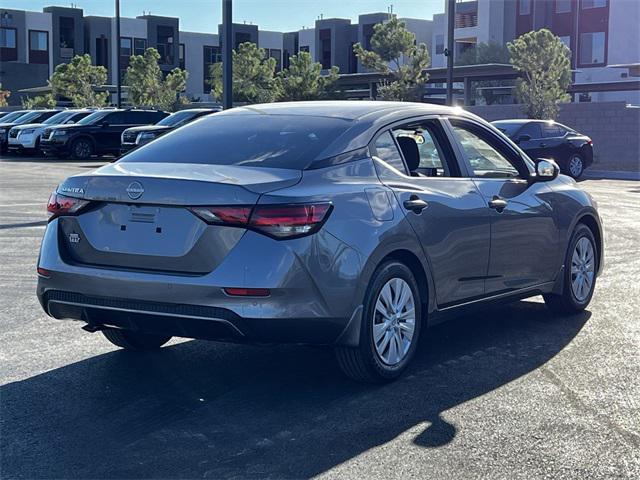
(43, 272)
(285, 221)
(223, 215)
(279, 221)
(590, 142)
(61, 205)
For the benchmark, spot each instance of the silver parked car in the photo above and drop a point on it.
(350, 224)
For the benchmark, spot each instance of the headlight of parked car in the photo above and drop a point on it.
(145, 137)
(59, 133)
(28, 131)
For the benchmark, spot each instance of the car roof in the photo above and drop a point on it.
(345, 109)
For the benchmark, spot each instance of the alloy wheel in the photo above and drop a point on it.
(394, 321)
(576, 166)
(582, 269)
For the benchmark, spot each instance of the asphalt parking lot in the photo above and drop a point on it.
(514, 392)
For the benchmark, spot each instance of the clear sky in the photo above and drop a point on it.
(279, 15)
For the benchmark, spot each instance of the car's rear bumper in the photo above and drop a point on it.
(305, 305)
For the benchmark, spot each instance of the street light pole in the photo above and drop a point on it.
(227, 55)
(118, 74)
(451, 16)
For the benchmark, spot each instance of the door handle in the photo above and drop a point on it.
(498, 204)
(415, 204)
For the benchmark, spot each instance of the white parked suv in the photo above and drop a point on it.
(23, 138)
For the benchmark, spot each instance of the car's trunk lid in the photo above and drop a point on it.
(138, 217)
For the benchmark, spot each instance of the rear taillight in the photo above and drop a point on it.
(590, 142)
(278, 221)
(61, 205)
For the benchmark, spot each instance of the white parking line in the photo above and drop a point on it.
(23, 205)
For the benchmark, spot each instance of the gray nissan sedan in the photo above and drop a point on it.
(349, 224)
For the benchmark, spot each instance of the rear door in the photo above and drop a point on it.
(524, 234)
(444, 208)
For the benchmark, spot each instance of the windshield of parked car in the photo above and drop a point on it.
(176, 118)
(59, 118)
(13, 116)
(27, 117)
(93, 118)
(509, 129)
(245, 139)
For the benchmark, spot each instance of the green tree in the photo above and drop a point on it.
(4, 95)
(148, 88)
(303, 80)
(41, 101)
(253, 76)
(484, 53)
(75, 80)
(395, 54)
(543, 61)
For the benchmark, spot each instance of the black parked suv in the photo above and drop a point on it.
(96, 134)
(571, 150)
(136, 136)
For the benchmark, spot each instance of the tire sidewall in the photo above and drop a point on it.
(384, 273)
(580, 232)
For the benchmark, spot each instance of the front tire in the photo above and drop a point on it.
(390, 327)
(581, 265)
(131, 340)
(81, 149)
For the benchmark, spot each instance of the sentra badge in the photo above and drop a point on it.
(74, 238)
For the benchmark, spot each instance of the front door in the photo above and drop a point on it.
(524, 234)
(445, 209)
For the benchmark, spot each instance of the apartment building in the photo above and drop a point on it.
(603, 36)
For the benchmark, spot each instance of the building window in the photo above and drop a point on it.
(325, 48)
(241, 37)
(525, 7)
(593, 4)
(165, 45)
(8, 44)
(211, 55)
(38, 47)
(67, 33)
(181, 61)
(353, 59)
(102, 51)
(139, 46)
(566, 40)
(304, 48)
(277, 54)
(126, 50)
(439, 44)
(563, 6)
(592, 48)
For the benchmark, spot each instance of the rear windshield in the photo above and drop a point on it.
(245, 139)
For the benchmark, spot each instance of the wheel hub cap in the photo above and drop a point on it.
(394, 321)
(582, 269)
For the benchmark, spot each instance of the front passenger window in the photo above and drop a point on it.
(485, 161)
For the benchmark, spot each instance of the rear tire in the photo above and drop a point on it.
(131, 340)
(573, 299)
(81, 149)
(575, 166)
(394, 291)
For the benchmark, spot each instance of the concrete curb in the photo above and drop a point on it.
(610, 174)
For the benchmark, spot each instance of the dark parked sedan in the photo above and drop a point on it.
(547, 139)
(135, 136)
(350, 224)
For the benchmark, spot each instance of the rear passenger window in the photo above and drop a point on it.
(552, 130)
(116, 118)
(387, 150)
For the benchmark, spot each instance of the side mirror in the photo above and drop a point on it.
(546, 170)
(523, 138)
